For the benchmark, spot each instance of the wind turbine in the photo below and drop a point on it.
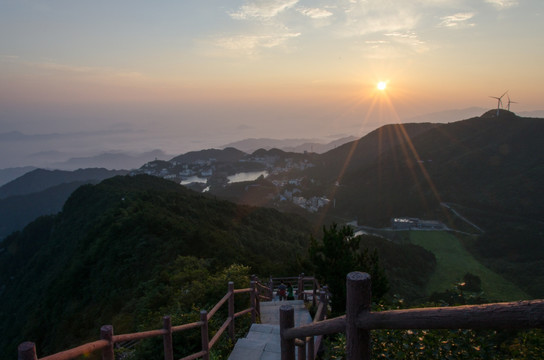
(499, 101)
(510, 102)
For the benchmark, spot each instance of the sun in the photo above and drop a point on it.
(381, 85)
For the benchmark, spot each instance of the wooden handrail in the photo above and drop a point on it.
(27, 350)
(183, 327)
(243, 312)
(195, 356)
(241, 291)
(359, 321)
(220, 331)
(218, 305)
(138, 336)
(325, 327)
(78, 351)
(507, 315)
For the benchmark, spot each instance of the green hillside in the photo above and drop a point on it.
(493, 164)
(453, 261)
(118, 253)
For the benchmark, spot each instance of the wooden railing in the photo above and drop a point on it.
(359, 321)
(302, 291)
(256, 291)
(308, 287)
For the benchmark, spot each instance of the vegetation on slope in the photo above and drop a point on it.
(65, 276)
(493, 164)
(453, 261)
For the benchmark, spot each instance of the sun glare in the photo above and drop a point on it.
(382, 85)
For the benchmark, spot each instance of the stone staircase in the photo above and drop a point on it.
(262, 342)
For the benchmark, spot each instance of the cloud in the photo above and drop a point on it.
(264, 10)
(271, 23)
(315, 13)
(270, 33)
(408, 39)
(8, 58)
(363, 18)
(251, 43)
(503, 4)
(457, 20)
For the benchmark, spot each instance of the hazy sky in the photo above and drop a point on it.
(183, 74)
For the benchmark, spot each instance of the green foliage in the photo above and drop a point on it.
(182, 290)
(514, 250)
(445, 344)
(454, 261)
(472, 282)
(337, 255)
(113, 255)
(408, 267)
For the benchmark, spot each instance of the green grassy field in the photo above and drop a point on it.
(453, 261)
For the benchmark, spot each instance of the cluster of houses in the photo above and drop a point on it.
(204, 170)
(312, 204)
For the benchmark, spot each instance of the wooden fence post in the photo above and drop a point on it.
(323, 299)
(258, 300)
(357, 301)
(27, 351)
(271, 288)
(106, 333)
(302, 349)
(287, 321)
(231, 310)
(314, 294)
(167, 338)
(204, 334)
(301, 287)
(311, 348)
(253, 302)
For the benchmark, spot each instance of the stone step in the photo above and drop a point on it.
(247, 349)
(263, 340)
(276, 302)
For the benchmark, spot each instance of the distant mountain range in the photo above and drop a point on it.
(289, 145)
(485, 162)
(111, 160)
(395, 170)
(6, 175)
(42, 192)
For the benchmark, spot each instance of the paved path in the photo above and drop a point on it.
(263, 340)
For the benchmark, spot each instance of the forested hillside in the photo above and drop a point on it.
(117, 247)
(493, 164)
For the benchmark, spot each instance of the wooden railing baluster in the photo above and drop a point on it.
(167, 338)
(106, 333)
(27, 351)
(357, 301)
(287, 321)
(231, 310)
(204, 334)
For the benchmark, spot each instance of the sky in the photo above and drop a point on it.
(80, 76)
